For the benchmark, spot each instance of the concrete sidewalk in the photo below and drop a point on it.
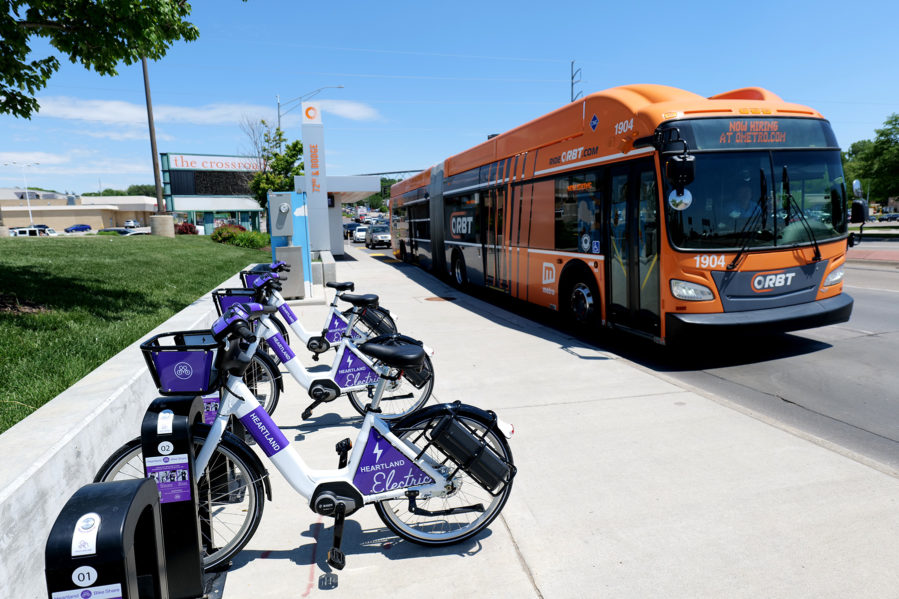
(628, 485)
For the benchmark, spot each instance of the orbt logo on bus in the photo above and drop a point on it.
(461, 223)
(769, 281)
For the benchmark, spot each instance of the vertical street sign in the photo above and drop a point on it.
(316, 193)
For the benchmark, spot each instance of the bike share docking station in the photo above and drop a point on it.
(107, 542)
(142, 537)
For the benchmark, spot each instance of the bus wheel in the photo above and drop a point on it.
(460, 274)
(580, 302)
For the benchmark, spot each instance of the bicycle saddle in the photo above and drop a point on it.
(395, 356)
(348, 286)
(369, 300)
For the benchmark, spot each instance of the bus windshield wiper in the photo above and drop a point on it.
(800, 214)
(748, 232)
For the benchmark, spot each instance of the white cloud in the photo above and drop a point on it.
(116, 112)
(43, 158)
(355, 111)
(124, 134)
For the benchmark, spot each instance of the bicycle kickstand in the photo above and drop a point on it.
(336, 558)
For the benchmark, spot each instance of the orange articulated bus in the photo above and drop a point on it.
(645, 208)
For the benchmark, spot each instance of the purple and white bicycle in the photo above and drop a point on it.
(437, 476)
(408, 390)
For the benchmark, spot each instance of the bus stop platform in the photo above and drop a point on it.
(628, 485)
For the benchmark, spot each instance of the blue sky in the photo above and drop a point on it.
(425, 80)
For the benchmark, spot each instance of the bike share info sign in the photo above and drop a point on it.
(171, 474)
(107, 591)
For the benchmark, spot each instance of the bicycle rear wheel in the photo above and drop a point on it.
(263, 379)
(231, 495)
(467, 508)
(408, 393)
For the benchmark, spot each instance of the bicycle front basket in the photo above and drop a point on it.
(249, 277)
(225, 298)
(183, 363)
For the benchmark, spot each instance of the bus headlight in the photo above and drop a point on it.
(691, 292)
(835, 277)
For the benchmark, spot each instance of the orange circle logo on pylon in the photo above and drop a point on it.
(311, 113)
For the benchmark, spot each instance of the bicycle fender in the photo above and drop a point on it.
(236, 445)
(438, 410)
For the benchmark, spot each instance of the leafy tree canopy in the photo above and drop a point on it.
(141, 190)
(280, 165)
(876, 162)
(97, 33)
(378, 201)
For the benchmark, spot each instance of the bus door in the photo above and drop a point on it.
(494, 240)
(633, 254)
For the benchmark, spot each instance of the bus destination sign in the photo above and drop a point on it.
(752, 131)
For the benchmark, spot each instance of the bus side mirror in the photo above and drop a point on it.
(679, 170)
(859, 211)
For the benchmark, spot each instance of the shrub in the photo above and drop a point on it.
(186, 228)
(224, 233)
(250, 239)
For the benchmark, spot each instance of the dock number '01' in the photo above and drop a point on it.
(709, 261)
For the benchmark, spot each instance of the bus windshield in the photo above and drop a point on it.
(737, 199)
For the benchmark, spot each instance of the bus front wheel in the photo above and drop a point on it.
(580, 303)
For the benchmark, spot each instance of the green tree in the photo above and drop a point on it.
(106, 192)
(279, 166)
(142, 190)
(97, 33)
(876, 162)
(379, 200)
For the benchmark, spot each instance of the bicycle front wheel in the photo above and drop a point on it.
(408, 393)
(466, 508)
(231, 495)
(262, 378)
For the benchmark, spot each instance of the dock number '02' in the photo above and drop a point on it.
(709, 261)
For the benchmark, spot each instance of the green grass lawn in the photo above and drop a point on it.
(68, 304)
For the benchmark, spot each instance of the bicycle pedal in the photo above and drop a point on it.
(336, 558)
(306, 415)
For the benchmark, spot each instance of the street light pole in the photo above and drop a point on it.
(156, 181)
(305, 96)
(25, 180)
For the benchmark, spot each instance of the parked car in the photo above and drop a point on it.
(120, 231)
(348, 229)
(359, 233)
(377, 235)
(77, 228)
(131, 224)
(42, 231)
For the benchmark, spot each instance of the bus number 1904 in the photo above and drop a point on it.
(709, 261)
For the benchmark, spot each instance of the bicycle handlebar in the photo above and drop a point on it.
(279, 266)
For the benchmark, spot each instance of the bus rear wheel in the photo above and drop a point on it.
(581, 302)
(460, 274)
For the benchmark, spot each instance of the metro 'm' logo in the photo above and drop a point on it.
(460, 224)
(768, 281)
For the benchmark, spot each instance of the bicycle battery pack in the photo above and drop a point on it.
(470, 453)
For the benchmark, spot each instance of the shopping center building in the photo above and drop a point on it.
(209, 190)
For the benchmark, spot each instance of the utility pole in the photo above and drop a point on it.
(575, 73)
(159, 205)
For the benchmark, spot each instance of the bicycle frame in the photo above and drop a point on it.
(335, 327)
(377, 472)
(351, 370)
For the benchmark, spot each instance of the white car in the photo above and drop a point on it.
(359, 233)
(131, 224)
